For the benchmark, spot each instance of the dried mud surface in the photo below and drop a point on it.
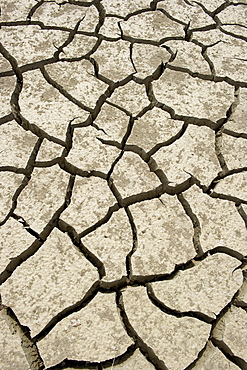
(123, 184)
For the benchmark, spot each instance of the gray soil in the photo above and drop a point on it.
(123, 186)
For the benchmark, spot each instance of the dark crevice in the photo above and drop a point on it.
(75, 364)
(144, 348)
(91, 293)
(179, 314)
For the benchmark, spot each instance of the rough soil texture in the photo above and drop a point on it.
(123, 201)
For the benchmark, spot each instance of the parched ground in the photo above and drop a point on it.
(123, 188)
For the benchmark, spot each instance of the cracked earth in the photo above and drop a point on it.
(123, 203)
